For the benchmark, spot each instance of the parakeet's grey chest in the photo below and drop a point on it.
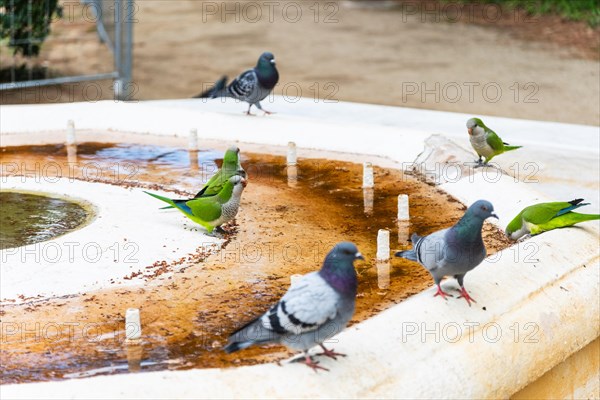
(230, 209)
(479, 142)
(525, 229)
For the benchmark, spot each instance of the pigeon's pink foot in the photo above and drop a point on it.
(313, 364)
(268, 112)
(441, 293)
(249, 114)
(465, 295)
(330, 353)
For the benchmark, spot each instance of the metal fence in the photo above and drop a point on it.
(114, 24)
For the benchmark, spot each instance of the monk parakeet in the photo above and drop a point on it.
(544, 217)
(485, 141)
(212, 212)
(231, 166)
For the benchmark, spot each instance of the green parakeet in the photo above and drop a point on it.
(231, 166)
(485, 141)
(212, 212)
(544, 217)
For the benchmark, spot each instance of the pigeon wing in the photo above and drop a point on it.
(244, 85)
(307, 305)
(430, 250)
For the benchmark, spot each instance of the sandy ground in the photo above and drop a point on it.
(189, 307)
(353, 51)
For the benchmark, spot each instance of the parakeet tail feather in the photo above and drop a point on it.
(180, 204)
(509, 148)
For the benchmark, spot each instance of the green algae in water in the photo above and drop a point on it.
(28, 218)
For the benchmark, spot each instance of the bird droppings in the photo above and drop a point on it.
(189, 307)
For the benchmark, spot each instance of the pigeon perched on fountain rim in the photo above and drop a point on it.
(315, 308)
(251, 86)
(453, 251)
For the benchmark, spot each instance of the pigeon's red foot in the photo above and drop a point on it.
(465, 295)
(330, 353)
(268, 112)
(313, 364)
(441, 293)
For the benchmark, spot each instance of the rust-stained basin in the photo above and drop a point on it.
(188, 308)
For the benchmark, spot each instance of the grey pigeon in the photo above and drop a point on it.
(252, 86)
(453, 251)
(314, 309)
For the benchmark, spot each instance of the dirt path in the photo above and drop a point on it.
(374, 52)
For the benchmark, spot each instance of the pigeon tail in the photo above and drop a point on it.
(219, 90)
(408, 254)
(251, 333)
(235, 346)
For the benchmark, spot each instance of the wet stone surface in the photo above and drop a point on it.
(285, 227)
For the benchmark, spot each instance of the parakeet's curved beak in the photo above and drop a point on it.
(359, 256)
(244, 182)
(470, 131)
(242, 173)
(494, 216)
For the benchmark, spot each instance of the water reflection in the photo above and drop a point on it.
(368, 200)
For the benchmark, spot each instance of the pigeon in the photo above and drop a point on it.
(212, 212)
(453, 251)
(252, 86)
(231, 166)
(485, 141)
(318, 306)
(544, 217)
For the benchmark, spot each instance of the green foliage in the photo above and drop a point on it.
(26, 23)
(576, 10)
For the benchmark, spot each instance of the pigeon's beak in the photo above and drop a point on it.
(359, 256)
(273, 61)
(470, 131)
(494, 215)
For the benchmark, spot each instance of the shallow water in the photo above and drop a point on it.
(28, 218)
(285, 227)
